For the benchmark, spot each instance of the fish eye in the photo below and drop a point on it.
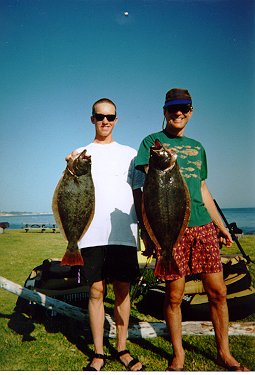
(163, 153)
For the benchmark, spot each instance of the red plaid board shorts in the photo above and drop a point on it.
(197, 251)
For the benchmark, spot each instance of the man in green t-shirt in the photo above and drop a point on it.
(198, 249)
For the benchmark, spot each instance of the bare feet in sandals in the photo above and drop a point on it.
(231, 365)
(131, 363)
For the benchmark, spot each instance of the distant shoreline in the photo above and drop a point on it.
(24, 213)
(244, 218)
(27, 213)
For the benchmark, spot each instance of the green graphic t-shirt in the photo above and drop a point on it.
(193, 166)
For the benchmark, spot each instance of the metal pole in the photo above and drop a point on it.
(233, 234)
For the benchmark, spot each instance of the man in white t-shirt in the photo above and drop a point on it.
(109, 247)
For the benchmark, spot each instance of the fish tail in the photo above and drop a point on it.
(162, 268)
(72, 258)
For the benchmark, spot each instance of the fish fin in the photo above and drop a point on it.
(186, 215)
(72, 258)
(148, 228)
(88, 223)
(187, 212)
(55, 209)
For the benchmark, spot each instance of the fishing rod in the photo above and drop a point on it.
(233, 234)
(149, 259)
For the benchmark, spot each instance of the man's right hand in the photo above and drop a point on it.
(72, 156)
(70, 159)
(148, 244)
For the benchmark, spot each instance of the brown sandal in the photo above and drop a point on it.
(175, 369)
(238, 367)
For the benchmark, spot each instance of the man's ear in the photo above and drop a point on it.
(190, 114)
(92, 119)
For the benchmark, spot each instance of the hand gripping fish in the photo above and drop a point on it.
(73, 205)
(166, 201)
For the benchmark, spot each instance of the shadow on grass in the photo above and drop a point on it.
(20, 324)
(148, 345)
(162, 353)
(27, 315)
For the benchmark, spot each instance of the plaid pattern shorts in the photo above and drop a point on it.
(197, 251)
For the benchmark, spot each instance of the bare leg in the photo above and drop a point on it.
(121, 312)
(173, 317)
(121, 315)
(216, 290)
(96, 318)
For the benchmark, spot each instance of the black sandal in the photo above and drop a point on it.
(91, 368)
(132, 363)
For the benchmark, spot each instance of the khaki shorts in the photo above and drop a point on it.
(197, 252)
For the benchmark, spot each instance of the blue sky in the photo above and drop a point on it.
(59, 56)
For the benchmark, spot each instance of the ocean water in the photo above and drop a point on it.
(19, 221)
(243, 217)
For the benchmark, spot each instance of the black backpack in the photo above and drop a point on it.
(195, 305)
(64, 283)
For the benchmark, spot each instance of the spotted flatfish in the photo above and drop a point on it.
(73, 205)
(166, 200)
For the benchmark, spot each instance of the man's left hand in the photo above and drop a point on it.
(225, 237)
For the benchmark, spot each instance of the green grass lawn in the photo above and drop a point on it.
(61, 344)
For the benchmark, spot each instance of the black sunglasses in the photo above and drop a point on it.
(184, 108)
(100, 117)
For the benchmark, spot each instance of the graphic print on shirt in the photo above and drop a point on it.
(189, 168)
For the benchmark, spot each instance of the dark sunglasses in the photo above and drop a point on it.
(100, 117)
(184, 108)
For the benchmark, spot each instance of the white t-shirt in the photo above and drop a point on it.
(114, 177)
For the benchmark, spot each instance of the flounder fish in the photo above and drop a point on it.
(73, 205)
(166, 201)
